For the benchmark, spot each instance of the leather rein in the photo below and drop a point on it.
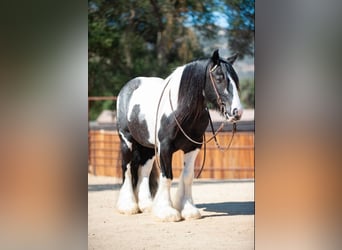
(204, 141)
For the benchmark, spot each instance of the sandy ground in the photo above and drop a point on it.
(227, 222)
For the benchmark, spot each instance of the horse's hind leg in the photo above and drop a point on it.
(183, 201)
(126, 202)
(146, 159)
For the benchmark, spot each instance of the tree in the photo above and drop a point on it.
(240, 16)
(151, 37)
(125, 35)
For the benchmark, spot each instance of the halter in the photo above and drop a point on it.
(218, 98)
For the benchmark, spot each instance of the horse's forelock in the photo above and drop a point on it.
(233, 74)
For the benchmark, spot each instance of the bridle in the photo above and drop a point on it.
(222, 109)
(219, 101)
(204, 141)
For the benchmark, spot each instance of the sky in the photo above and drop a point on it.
(221, 19)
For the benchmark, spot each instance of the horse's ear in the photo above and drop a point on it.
(232, 59)
(215, 57)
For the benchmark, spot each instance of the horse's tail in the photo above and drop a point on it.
(154, 179)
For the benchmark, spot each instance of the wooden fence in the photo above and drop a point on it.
(235, 163)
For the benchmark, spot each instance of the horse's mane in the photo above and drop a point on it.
(190, 94)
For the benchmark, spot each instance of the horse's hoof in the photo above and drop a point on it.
(128, 208)
(191, 215)
(190, 212)
(167, 214)
(145, 206)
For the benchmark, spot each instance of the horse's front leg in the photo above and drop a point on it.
(183, 201)
(162, 205)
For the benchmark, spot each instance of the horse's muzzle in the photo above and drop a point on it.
(235, 116)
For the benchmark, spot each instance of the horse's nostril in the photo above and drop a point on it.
(235, 112)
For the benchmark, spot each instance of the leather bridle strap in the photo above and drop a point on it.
(218, 98)
(213, 131)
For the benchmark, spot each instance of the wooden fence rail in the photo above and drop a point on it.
(235, 163)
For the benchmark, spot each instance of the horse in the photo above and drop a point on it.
(157, 117)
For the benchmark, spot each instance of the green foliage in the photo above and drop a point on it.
(247, 93)
(147, 38)
(98, 106)
(241, 15)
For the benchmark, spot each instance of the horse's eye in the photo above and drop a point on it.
(219, 77)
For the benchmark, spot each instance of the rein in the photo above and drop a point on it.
(186, 135)
(222, 109)
(155, 126)
(216, 142)
(204, 141)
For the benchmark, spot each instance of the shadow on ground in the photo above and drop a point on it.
(103, 187)
(116, 186)
(228, 208)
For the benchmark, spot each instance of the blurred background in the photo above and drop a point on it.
(151, 38)
(45, 48)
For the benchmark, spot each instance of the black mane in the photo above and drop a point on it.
(190, 95)
(191, 102)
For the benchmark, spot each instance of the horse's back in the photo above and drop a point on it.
(141, 85)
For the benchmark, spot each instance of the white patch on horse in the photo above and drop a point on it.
(236, 104)
(127, 203)
(143, 189)
(173, 86)
(162, 205)
(117, 107)
(129, 144)
(183, 201)
(148, 95)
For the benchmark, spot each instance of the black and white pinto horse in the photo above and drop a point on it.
(148, 112)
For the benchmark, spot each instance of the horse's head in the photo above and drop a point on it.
(222, 87)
